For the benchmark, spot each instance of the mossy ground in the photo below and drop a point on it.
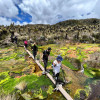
(15, 68)
(77, 51)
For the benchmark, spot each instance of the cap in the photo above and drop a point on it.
(49, 48)
(59, 58)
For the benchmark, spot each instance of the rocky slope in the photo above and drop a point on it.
(86, 31)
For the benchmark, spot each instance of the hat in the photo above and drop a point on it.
(49, 48)
(59, 58)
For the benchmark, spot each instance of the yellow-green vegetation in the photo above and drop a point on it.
(15, 80)
(8, 85)
(68, 64)
(50, 90)
(72, 55)
(80, 94)
(4, 77)
(12, 59)
(17, 74)
(80, 52)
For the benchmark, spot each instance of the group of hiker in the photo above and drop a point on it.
(56, 65)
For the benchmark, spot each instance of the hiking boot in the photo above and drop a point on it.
(48, 71)
(44, 72)
(56, 89)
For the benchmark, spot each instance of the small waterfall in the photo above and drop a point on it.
(82, 69)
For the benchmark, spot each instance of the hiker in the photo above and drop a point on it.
(15, 39)
(56, 67)
(46, 53)
(25, 43)
(34, 49)
(12, 37)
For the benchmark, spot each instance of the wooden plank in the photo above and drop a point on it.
(65, 94)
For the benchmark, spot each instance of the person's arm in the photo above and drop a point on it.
(54, 64)
(48, 53)
(61, 66)
(31, 47)
(43, 52)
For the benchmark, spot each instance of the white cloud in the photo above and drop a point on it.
(5, 21)
(97, 8)
(46, 11)
(8, 9)
(17, 1)
(24, 23)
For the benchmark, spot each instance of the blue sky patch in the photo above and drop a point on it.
(22, 17)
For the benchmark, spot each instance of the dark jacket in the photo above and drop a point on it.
(34, 48)
(45, 54)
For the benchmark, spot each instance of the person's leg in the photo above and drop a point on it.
(34, 54)
(12, 40)
(57, 76)
(45, 64)
(25, 45)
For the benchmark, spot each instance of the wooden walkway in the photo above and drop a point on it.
(60, 88)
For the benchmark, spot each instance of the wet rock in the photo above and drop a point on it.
(95, 93)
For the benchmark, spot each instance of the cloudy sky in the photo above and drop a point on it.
(46, 11)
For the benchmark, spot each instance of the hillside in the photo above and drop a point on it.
(77, 41)
(84, 31)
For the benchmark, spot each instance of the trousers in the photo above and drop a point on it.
(45, 64)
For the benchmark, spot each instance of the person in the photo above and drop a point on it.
(46, 53)
(34, 49)
(56, 67)
(12, 37)
(25, 43)
(15, 39)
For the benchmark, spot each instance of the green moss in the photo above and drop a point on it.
(16, 56)
(92, 72)
(95, 72)
(87, 73)
(85, 65)
(68, 64)
(33, 82)
(78, 92)
(50, 89)
(8, 86)
(90, 52)
(4, 76)
(81, 54)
